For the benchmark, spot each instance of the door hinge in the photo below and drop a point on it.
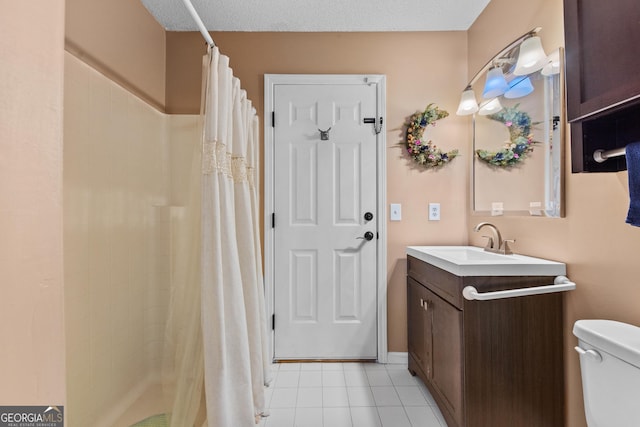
(273, 119)
(273, 220)
(377, 235)
(273, 322)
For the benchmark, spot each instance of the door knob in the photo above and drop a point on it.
(367, 236)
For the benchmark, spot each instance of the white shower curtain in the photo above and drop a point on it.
(217, 328)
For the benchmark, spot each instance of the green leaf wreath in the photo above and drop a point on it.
(425, 152)
(520, 144)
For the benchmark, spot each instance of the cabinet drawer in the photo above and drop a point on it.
(442, 283)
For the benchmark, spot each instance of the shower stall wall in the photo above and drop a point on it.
(122, 190)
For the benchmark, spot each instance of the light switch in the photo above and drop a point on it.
(396, 212)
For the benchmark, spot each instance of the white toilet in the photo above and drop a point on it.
(610, 364)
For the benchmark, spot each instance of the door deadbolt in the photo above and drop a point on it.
(368, 216)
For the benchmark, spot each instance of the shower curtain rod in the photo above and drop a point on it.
(199, 23)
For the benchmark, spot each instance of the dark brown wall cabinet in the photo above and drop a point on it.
(487, 363)
(603, 79)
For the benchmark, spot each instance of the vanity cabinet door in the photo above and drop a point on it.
(419, 326)
(447, 370)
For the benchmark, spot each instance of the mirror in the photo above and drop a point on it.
(518, 134)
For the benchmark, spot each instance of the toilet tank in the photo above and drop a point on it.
(610, 366)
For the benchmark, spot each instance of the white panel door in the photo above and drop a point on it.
(325, 296)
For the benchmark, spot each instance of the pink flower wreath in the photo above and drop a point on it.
(426, 153)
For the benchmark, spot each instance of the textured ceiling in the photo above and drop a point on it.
(319, 15)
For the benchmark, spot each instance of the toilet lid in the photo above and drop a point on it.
(616, 338)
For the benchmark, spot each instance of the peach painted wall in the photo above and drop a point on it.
(122, 40)
(599, 248)
(32, 352)
(421, 67)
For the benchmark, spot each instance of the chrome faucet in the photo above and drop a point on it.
(496, 245)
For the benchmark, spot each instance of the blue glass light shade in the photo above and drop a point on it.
(495, 84)
(519, 87)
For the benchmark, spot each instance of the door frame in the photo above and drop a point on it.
(379, 81)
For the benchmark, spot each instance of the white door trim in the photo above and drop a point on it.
(270, 80)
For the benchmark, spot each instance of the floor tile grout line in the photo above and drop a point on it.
(395, 387)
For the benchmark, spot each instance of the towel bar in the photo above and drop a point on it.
(560, 284)
(601, 156)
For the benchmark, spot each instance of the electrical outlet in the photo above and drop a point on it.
(434, 211)
(497, 208)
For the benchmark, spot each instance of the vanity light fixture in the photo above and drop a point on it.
(553, 64)
(490, 107)
(531, 57)
(468, 104)
(519, 87)
(495, 84)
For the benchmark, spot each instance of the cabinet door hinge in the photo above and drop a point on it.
(273, 119)
(273, 322)
(273, 220)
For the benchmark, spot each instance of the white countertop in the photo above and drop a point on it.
(474, 261)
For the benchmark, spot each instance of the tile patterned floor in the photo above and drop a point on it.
(348, 395)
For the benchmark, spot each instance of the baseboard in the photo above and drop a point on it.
(397, 358)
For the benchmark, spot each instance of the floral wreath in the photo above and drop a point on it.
(426, 153)
(520, 145)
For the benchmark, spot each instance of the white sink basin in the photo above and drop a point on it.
(473, 261)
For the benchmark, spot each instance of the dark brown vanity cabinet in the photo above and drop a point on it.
(419, 325)
(602, 49)
(435, 329)
(487, 363)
